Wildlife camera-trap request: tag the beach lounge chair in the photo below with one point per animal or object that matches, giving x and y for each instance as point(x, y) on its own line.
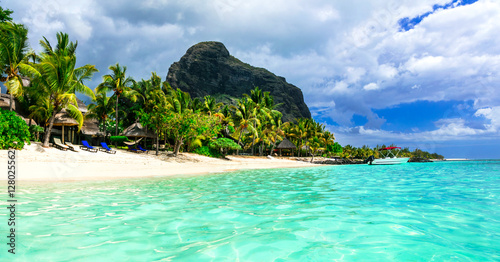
point(130, 148)
point(71, 146)
point(59, 145)
point(105, 148)
point(142, 149)
point(88, 147)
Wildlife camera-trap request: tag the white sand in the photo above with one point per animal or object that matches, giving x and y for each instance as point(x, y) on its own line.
point(35, 163)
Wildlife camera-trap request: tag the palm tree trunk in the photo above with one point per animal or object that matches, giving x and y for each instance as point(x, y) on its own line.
point(116, 119)
point(274, 144)
point(178, 144)
point(239, 139)
point(157, 141)
point(105, 130)
point(11, 106)
point(49, 130)
point(253, 139)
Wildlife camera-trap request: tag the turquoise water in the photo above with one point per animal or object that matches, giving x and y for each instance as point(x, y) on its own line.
point(411, 212)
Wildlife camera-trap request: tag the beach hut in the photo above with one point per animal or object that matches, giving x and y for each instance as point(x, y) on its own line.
point(286, 144)
point(63, 120)
point(91, 128)
point(137, 130)
point(5, 102)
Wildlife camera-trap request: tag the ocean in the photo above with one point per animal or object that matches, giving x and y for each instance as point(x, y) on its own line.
point(442, 211)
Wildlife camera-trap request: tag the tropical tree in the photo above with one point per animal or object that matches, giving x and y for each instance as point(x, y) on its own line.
point(210, 106)
point(314, 146)
point(224, 144)
point(14, 58)
point(5, 15)
point(277, 129)
point(120, 84)
point(101, 110)
point(58, 79)
point(156, 107)
point(245, 117)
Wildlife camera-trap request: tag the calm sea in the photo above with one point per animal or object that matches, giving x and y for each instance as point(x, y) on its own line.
point(444, 211)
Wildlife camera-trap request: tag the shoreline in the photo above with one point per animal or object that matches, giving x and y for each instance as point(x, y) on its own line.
point(37, 164)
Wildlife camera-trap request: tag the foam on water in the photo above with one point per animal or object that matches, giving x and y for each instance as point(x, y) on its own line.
point(410, 212)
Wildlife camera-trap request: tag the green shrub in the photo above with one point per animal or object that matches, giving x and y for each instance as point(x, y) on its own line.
point(35, 132)
point(118, 139)
point(13, 131)
point(224, 144)
point(207, 151)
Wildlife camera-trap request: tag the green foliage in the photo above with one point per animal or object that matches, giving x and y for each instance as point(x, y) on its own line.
point(335, 148)
point(224, 144)
point(13, 131)
point(118, 139)
point(365, 151)
point(207, 151)
point(5, 15)
point(35, 131)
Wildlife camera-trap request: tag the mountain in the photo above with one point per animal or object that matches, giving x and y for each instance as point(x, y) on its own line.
point(207, 68)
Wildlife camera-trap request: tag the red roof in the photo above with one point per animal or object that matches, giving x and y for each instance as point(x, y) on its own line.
point(389, 148)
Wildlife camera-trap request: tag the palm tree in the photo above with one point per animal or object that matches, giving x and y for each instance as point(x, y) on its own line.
point(277, 127)
point(179, 100)
point(120, 84)
point(14, 57)
point(245, 117)
point(101, 110)
point(210, 106)
point(58, 79)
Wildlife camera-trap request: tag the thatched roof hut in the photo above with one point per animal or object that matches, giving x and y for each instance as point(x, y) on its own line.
point(63, 119)
point(286, 144)
point(137, 130)
point(27, 120)
point(5, 101)
point(91, 128)
point(81, 106)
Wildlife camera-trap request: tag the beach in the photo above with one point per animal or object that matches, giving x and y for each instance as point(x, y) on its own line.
point(35, 163)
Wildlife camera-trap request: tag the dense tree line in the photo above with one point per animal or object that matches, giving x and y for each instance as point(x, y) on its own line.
point(365, 151)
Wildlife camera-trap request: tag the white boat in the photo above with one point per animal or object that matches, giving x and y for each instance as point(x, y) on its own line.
point(390, 155)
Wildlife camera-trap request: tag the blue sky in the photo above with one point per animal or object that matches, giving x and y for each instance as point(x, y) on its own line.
point(413, 73)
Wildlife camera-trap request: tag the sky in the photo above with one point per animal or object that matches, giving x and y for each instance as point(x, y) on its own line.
point(419, 74)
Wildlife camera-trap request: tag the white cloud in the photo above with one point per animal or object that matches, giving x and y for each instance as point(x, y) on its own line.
point(371, 86)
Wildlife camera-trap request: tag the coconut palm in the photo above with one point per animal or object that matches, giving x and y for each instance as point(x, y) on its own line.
point(58, 79)
point(245, 117)
point(101, 110)
point(210, 106)
point(120, 84)
point(14, 58)
point(277, 129)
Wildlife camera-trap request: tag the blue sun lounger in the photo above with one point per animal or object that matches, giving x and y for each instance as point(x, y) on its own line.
point(105, 148)
point(142, 149)
point(88, 147)
point(130, 148)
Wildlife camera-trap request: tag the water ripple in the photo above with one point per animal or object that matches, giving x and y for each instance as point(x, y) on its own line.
point(412, 212)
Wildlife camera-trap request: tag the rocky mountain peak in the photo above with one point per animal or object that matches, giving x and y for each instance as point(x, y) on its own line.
point(207, 68)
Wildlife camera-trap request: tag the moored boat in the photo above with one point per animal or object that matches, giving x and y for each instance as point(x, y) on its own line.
point(390, 155)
